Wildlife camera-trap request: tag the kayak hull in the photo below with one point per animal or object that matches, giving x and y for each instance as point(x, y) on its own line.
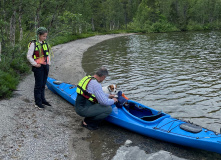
point(149, 122)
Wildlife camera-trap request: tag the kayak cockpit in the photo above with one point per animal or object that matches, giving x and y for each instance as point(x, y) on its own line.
point(142, 112)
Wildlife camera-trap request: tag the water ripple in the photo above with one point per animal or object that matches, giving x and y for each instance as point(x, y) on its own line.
point(175, 72)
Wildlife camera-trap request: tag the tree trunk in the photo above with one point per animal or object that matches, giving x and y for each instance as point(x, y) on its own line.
point(76, 28)
point(12, 29)
point(113, 25)
point(52, 20)
point(20, 24)
point(80, 29)
point(0, 51)
point(110, 26)
point(37, 19)
point(92, 24)
point(125, 13)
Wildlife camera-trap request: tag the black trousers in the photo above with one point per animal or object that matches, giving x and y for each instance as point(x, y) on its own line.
point(41, 75)
point(93, 113)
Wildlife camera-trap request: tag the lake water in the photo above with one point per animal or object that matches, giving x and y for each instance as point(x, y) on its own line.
point(178, 73)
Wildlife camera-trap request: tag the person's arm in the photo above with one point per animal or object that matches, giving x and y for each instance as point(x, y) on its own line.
point(30, 53)
point(106, 94)
point(101, 97)
point(49, 59)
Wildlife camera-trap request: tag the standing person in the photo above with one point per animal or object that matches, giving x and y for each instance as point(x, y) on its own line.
point(39, 57)
point(91, 102)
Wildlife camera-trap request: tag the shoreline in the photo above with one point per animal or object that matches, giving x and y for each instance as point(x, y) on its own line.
point(53, 133)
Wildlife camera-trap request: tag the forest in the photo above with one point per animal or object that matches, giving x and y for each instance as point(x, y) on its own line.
point(67, 20)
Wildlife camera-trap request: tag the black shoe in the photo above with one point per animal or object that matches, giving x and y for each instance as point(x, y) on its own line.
point(46, 103)
point(39, 106)
point(89, 127)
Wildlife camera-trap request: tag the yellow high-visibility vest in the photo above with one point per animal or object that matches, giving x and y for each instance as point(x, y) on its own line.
point(82, 89)
point(40, 50)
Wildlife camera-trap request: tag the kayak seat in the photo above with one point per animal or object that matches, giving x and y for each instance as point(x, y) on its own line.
point(58, 82)
point(138, 111)
point(191, 127)
point(152, 117)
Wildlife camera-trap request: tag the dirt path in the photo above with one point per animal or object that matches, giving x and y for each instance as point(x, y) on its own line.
point(53, 133)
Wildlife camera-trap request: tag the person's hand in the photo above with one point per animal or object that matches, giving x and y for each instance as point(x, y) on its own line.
point(38, 65)
point(111, 95)
point(115, 100)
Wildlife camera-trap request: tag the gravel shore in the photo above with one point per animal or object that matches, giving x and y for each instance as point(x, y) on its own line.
point(54, 133)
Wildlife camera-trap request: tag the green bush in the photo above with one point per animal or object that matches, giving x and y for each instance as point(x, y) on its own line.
point(20, 65)
point(8, 83)
point(148, 27)
point(4, 65)
point(162, 26)
point(194, 26)
point(12, 66)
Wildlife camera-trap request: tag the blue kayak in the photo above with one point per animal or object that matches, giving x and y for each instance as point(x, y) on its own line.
point(149, 122)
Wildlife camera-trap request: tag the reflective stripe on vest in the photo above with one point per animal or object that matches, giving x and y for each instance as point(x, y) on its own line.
point(44, 49)
point(82, 87)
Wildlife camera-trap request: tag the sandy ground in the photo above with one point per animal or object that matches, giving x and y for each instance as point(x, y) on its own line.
point(54, 133)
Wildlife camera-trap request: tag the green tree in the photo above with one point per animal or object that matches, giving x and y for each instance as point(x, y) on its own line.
point(113, 14)
point(179, 13)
